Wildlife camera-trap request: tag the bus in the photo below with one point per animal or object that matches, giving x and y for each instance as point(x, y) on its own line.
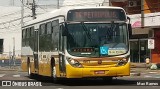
point(77, 42)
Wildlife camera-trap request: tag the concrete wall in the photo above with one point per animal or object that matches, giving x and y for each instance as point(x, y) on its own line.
point(8, 44)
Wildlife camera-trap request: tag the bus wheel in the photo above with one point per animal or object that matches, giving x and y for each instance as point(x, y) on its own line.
point(54, 77)
point(29, 69)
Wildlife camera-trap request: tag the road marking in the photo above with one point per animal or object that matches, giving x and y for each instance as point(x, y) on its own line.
point(157, 77)
point(1, 75)
point(152, 72)
point(147, 76)
point(144, 73)
point(59, 88)
point(16, 75)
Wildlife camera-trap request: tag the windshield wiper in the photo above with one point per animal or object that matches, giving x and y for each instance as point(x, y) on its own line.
point(86, 31)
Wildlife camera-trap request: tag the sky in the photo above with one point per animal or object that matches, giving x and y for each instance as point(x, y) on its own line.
point(51, 2)
point(83, 2)
point(18, 2)
point(12, 29)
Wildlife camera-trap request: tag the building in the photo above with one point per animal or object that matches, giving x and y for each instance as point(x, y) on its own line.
point(10, 22)
point(10, 28)
point(145, 20)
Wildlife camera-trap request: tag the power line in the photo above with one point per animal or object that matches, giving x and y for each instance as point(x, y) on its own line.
point(9, 14)
point(25, 5)
point(42, 8)
point(13, 20)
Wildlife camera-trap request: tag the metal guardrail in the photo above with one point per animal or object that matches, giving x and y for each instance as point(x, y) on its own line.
point(10, 62)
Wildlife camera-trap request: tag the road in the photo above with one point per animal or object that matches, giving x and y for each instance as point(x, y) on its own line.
point(130, 82)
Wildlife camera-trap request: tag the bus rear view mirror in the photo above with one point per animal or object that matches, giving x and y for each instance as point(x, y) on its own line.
point(64, 30)
point(130, 30)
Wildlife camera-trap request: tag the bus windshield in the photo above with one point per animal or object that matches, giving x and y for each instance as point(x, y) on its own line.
point(97, 39)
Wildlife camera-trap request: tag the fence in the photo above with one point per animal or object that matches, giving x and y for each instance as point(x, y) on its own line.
point(10, 62)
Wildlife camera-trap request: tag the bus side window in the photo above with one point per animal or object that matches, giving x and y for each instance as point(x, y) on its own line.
point(23, 37)
point(42, 29)
point(23, 33)
point(32, 31)
point(49, 27)
point(27, 33)
point(55, 34)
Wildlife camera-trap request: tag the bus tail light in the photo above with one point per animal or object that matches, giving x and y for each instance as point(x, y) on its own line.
point(74, 62)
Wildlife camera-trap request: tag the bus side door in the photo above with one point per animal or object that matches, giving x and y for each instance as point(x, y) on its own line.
point(62, 66)
point(35, 53)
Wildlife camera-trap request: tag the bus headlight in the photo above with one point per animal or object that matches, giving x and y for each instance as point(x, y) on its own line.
point(74, 62)
point(123, 61)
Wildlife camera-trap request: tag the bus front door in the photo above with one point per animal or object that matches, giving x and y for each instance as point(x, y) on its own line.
point(36, 50)
point(62, 66)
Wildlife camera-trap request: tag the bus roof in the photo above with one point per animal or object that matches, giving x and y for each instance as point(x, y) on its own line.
point(63, 12)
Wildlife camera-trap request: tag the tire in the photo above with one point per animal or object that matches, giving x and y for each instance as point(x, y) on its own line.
point(53, 71)
point(29, 71)
point(30, 75)
point(53, 75)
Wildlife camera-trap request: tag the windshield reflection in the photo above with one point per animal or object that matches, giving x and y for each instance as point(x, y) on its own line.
point(111, 37)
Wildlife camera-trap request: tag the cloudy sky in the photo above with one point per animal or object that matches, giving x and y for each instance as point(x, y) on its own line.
point(18, 2)
point(51, 2)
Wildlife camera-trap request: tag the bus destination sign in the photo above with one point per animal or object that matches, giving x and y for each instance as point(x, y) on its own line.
point(96, 15)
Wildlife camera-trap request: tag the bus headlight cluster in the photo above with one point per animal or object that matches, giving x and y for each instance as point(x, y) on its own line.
point(123, 61)
point(73, 62)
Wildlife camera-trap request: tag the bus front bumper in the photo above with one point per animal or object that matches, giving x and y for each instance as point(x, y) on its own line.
point(72, 72)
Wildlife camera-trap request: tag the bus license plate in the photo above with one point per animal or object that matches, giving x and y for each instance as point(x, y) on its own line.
point(99, 72)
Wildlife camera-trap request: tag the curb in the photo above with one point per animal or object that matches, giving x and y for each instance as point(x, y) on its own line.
point(135, 74)
point(137, 66)
point(8, 69)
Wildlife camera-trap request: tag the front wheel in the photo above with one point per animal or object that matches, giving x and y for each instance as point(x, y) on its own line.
point(53, 75)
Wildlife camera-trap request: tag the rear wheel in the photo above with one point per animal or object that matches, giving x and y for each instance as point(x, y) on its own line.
point(53, 71)
point(29, 69)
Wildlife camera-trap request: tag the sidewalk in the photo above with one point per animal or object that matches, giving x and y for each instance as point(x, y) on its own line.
point(138, 65)
point(137, 69)
point(7, 68)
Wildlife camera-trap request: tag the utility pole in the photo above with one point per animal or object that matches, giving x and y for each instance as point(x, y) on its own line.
point(10, 57)
point(142, 13)
point(12, 2)
point(14, 51)
point(57, 4)
point(33, 10)
point(22, 14)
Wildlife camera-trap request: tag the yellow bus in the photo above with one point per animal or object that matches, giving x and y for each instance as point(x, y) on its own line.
point(78, 42)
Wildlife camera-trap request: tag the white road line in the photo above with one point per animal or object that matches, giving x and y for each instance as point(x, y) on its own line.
point(59, 88)
point(148, 76)
point(152, 72)
point(1, 75)
point(157, 77)
point(17, 75)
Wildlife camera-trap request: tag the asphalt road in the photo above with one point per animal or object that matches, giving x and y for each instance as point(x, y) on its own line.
point(117, 83)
